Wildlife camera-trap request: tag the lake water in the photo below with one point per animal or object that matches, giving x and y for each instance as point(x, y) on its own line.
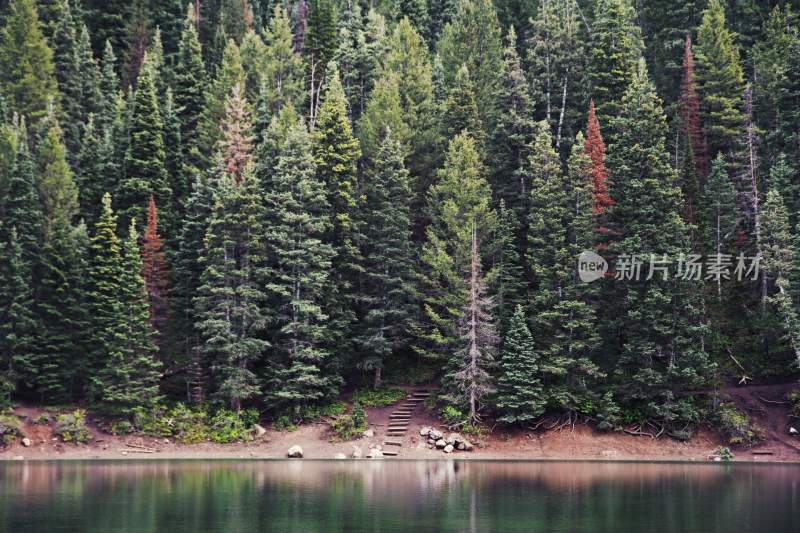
point(382, 496)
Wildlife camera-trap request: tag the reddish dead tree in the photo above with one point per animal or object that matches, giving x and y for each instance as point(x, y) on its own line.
point(690, 114)
point(595, 148)
point(236, 144)
point(155, 272)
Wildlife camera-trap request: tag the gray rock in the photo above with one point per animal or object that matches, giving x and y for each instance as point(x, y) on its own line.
point(375, 453)
point(424, 432)
point(260, 431)
point(295, 451)
point(448, 448)
point(441, 443)
point(793, 431)
point(454, 438)
point(356, 453)
point(370, 433)
point(340, 456)
point(435, 434)
point(26, 442)
point(465, 446)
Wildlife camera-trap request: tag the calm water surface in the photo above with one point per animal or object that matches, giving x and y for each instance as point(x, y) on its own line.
point(382, 496)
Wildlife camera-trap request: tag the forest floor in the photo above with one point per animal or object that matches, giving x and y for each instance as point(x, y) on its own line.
point(764, 404)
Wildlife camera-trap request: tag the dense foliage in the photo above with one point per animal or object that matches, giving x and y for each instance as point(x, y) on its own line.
point(335, 193)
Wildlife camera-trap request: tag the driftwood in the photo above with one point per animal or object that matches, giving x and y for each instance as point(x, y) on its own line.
point(776, 402)
point(136, 450)
point(145, 449)
point(763, 452)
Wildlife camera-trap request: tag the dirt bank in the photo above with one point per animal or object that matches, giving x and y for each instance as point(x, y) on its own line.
point(762, 403)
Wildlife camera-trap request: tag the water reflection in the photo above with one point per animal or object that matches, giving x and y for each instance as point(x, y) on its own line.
point(476, 496)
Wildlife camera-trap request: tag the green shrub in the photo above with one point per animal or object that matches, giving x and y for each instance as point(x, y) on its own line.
point(349, 425)
point(736, 427)
point(452, 416)
point(9, 429)
point(42, 419)
point(188, 425)
point(379, 397)
point(312, 413)
point(283, 423)
point(121, 427)
point(794, 403)
point(71, 427)
point(227, 426)
point(153, 421)
point(724, 453)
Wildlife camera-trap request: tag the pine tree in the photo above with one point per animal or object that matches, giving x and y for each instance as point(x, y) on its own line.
point(557, 66)
point(690, 113)
point(57, 191)
point(27, 80)
point(719, 220)
point(779, 260)
point(384, 112)
point(137, 41)
point(88, 74)
point(17, 325)
point(284, 69)
point(595, 149)
point(336, 153)
point(231, 299)
point(145, 170)
point(513, 133)
point(21, 208)
point(469, 379)
point(390, 299)
point(187, 279)
point(229, 74)
point(319, 47)
point(107, 20)
point(60, 309)
point(189, 86)
point(510, 280)
point(65, 61)
point(458, 204)
point(520, 394)
point(720, 81)
point(174, 160)
point(253, 52)
point(409, 59)
point(298, 220)
point(473, 39)
point(461, 111)
point(109, 89)
point(155, 272)
point(658, 319)
point(615, 47)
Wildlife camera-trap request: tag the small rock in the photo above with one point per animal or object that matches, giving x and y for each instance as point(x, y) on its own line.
point(448, 448)
point(26, 442)
point(340, 456)
point(166, 441)
point(793, 431)
point(718, 458)
point(124, 452)
point(441, 443)
point(435, 434)
point(260, 431)
point(370, 433)
point(375, 453)
point(430, 446)
point(609, 453)
point(356, 453)
point(454, 438)
point(424, 432)
point(18, 458)
point(465, 446)
point(295, 451)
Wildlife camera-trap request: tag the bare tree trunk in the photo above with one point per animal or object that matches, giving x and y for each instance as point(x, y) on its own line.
point(754, 200)
point(563, 109)
point(473, 328)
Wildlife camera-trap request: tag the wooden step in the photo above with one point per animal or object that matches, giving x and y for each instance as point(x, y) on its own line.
point(403, 423)
point(392, 443)
point(400, 416)
point(389, 453)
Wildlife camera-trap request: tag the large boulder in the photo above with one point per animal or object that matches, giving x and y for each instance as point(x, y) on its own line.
point(340, 456)
point(465, 446)
point(295, 451)
point(441, 443)
point(424, 432)
point(356, 452)
point(435, 434)
point(448, 448)
point(375, 453)
point(454, 438)
point(370, 433)
point(259, 430)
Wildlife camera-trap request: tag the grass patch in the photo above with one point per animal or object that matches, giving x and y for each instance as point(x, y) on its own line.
point(9, 429)
point(379, 397)
point(349, 425)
